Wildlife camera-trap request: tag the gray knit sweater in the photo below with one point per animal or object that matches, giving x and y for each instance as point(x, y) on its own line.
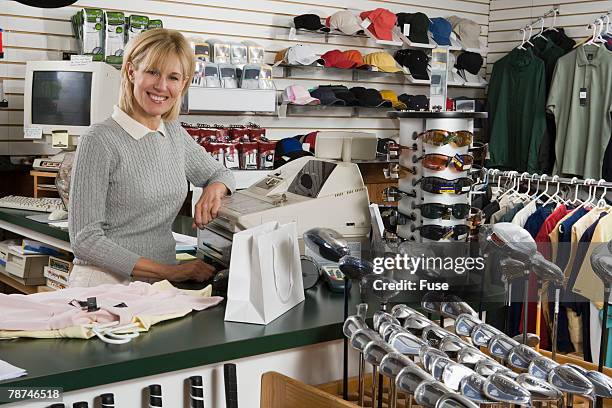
point(126, 193)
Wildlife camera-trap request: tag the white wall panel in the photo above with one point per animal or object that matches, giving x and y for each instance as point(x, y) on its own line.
point(507, 16)
point(43, 34)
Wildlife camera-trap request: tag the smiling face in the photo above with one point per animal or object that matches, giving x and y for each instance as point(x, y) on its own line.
point(156, 90)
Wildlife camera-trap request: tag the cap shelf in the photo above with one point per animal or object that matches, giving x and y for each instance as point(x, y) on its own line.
point(437, 115)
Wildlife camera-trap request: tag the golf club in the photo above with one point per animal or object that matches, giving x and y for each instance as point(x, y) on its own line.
point(390, 366)
point(359, 340)
point(501, 388)
point(453, 400)
point(373, 353)
point(465, 324)
point(570, 381)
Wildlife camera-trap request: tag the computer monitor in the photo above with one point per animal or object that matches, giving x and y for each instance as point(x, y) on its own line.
point(65, 96)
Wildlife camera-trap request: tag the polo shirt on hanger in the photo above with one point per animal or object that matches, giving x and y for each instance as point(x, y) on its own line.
point(581, 100)
point(577, 231)
point(521, 217)
point(516, 100)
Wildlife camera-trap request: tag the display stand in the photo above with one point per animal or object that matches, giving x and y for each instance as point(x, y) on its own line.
point(411, 124)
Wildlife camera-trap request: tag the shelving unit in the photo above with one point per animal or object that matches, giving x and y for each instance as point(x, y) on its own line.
point(201, 100)
point(44, 186)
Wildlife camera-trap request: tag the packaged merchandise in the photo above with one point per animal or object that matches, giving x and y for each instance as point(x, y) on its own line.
point(231, 156)
point(238, 54)
point(266, 148)
point(248, 155)
point(92, 30)
point(135, 25)
point(220, 51)
point(229, 78)
point(155, 24)
point(255, 52)
point(114, 40)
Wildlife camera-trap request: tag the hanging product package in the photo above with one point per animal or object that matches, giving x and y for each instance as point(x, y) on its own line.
point(136, 25)
point(155, 24)
point(92, 30)
point(114, 41)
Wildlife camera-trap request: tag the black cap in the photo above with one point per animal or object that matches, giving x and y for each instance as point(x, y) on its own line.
point(370, 97)
point(80, 404)
point(415, 60)
point(470, 61)
point(47, 3)
point(195, 380)
point(326, 96)
point(58, 405)
point(415, 102)
point(342, 92)
point(309, 22)
point(419, 24)
point(107, 399)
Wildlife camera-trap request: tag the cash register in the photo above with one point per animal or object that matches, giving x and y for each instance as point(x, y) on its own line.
point(312, 192)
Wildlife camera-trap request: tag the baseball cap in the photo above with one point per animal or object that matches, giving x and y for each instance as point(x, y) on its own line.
point(415, 102)
point(326, 96)
point(342, 92)
point(470, 61)
point(337, 59)
point(383, 22)
point(369, 97)
point(441, 30)
point(419, 24)
point(298, 95)
point(309, 22)
point(299, 54)
point(453, 77)
point(344, 21)
point(392, 97)
point(357, 57)
point(288, 149)
point(467, 30)
point(382, 60)
point(415, 60)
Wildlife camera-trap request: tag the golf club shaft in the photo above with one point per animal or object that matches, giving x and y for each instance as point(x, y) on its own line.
point(374, 383)
point(525, 307)
point(381, 386)
point(538, 317)
point(507, 307)
point(361, 375)
point(555, 329)
point(392, 394)
point(603, 346)
point(345, 366)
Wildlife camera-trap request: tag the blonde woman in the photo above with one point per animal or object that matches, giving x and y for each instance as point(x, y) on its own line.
point(131, 172)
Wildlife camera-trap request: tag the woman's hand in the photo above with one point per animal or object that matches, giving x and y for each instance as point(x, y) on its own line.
point(208, 205)
point(193, 270)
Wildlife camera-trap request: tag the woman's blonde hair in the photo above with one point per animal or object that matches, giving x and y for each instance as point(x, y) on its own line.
point(150, 50)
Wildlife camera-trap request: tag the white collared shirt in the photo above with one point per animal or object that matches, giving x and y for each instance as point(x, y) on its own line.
point(134, 128)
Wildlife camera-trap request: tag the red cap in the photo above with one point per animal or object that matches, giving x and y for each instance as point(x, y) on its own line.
point(337, 59)
point(383, 22)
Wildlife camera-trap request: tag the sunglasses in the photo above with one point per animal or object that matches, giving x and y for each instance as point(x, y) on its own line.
point(438, 185)
point(438, 137)
point(437, 232)
point(439, 162)
point(435, 211)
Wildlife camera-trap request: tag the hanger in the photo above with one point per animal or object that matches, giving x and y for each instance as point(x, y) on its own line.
point(588, 182)
point(527, 194)
point(596, 36)
point(542, 178)
point(556, 193)
point(552, 27)
point(510, 191)
point(530, 34)
point(593, 203)
point(575, 200)
point(539, 35)
point(602, 204)
point(537, 189)
point(521, 47)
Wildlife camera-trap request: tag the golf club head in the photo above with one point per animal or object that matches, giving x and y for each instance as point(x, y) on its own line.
point(470, 356)
point(401, 312)
point(465, 324)
point(428, 354)
point(511, 269)
point(487, 367)
point(501, 388)
point(434, 334)
point(326, 243)
point(355, 268)
point(410, 377)
point(388, 287)
point(416, 323)
point(375, 350)
point(513, 241)
point(428, 393)
point(455, 309)
point(547, 271)
point(390, 330)
point(601, 262)
point(438, 365)
point(352, 324)
point(483, 333)
point(362, 337)
point(453, 374)
point(362, 310)
point(521, 355)
point(532, 339)
point(501, 345)
point(569, 380)
point(541, 367)
point(393, 363)
point(406, 343)
point(452, 345)
point(602, 384)
point(540, 389)
point(380, 317)
point(431, 301)
point(472, 387)
point(578, 368)
point(455, 401)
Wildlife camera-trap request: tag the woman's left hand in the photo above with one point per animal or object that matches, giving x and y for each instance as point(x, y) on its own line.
point(208, 205)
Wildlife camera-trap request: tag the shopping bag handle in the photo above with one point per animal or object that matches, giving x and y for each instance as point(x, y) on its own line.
point(283, 299)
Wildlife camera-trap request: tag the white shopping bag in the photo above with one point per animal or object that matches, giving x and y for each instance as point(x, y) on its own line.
point(265, 277)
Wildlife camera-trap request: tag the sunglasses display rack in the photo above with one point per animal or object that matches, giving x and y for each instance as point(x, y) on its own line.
point(434, 180)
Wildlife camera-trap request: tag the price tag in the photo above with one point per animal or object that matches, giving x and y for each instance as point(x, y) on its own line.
point(366, 23)
point(32, 133)
point(465, 189)
point(76, 60)
point(458, 162)
point(461, 237)
point(584, 96)
point(449, 234)
point(406, 30)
